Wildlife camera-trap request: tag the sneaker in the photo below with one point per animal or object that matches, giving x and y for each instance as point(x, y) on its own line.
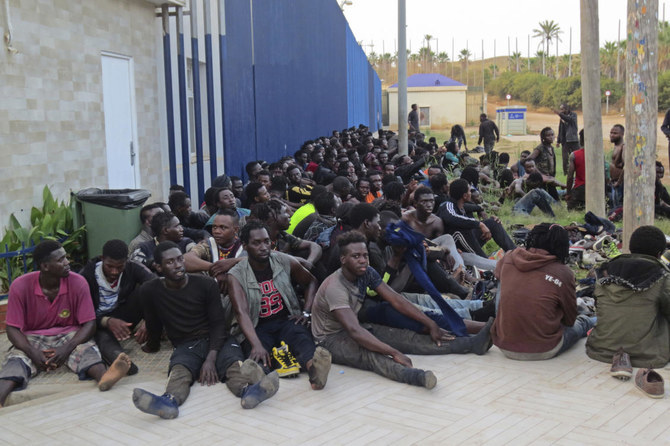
point(610, 249)
point(599, 244)
point(665, 258)
point(288, 366)
point(650, 383)
point(621, 366)
point(163, 406)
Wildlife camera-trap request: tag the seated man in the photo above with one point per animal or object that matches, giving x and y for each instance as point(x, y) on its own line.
point(470, 234)
point(268, 311)
point(180, 205)
point(189, 308)
point(538, 320)
point(50, 322)
point(146, 216)
point(166, 227)
point(529, 193)
point(633, 304)
point(113, 283)
point(374, 347)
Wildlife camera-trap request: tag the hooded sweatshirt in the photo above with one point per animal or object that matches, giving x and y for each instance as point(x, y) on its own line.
point(633, 309)
point(537, 298)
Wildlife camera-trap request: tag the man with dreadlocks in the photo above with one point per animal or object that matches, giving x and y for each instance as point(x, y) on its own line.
point(539, 320)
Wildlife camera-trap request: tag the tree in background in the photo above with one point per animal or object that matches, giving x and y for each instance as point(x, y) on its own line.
point(548, 31)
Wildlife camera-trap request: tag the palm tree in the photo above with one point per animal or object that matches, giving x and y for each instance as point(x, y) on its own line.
point(464, 57)
point(547, 31)
point(516, 56)
point(608, 56)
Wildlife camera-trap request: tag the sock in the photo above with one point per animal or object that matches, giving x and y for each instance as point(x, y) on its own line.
point(255, 394)
point(163, 406)
point(115, 372)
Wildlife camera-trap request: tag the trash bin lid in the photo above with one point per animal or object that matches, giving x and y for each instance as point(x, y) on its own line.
point(114, 198)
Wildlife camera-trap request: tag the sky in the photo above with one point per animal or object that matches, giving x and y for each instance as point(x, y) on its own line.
point(471, 21)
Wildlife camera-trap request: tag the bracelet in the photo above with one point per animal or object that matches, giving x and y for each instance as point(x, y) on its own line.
point(104, 322)
point(307, 314)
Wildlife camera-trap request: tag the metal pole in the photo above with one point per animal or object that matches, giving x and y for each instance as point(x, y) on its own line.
point(618, 52)
point(607, 104)
point(183, 104)
point(483, 110)
point(222, 61)
point(570, 56)
point(195, 72)
point(591, 103)
point(495, 65)
point(641, 115)
point(452, 57)
point(209, 67)
point(528, 52)
point(402, 79)
point(167, 68)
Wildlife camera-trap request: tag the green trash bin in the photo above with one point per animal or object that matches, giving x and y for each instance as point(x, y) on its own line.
point(110, 214)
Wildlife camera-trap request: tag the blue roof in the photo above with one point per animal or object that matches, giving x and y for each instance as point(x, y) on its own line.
point(430, 80)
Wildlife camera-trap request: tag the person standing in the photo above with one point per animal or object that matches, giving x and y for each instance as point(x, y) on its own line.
point(665, 128)
point(568, 137)
point(413, 119)
point(488, 132)
point(616, 167)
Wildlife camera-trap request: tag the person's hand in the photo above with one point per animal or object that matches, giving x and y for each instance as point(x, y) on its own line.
point(413, 185)
point(38, 358)
point(260, 355)
point(119, 328)
point(401, 359)
point(56, 357)
point(438, 335)
point(141, 334)
point(300, 319)
point(217, 269)
point(208, 375)
point(305, 263)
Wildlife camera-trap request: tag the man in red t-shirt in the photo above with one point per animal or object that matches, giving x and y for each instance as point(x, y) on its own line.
point(576, 181)
point(50, 322)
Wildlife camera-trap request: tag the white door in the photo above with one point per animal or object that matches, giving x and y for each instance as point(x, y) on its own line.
point(120, 130)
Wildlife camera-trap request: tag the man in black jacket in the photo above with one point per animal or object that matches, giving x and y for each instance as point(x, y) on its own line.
point(568, 136)
point(114, 282)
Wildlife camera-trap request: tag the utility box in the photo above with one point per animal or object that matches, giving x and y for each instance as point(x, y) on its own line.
point(511, 119)
point(110, 214)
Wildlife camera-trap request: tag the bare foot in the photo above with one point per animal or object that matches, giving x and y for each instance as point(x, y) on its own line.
point(115, 372)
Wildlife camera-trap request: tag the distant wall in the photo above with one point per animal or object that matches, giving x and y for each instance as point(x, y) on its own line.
point(447, 105)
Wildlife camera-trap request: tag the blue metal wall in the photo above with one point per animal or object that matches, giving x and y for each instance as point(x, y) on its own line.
point(291, 70)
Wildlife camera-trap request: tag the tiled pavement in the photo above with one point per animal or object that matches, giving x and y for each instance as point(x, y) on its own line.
point(478, 400)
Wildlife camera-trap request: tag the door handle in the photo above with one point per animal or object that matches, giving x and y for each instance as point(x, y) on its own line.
point(132, 154)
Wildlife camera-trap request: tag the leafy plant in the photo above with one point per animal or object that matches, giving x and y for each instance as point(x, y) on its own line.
point(53, 221)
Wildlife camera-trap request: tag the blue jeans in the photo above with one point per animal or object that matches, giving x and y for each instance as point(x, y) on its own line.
point(573, 334)
point(536, 197)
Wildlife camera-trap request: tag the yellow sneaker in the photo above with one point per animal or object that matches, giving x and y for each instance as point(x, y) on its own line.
point(288, 366)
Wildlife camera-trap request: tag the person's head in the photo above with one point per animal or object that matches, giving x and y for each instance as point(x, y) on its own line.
point(342, 187)
point(221, 181)
point(180, 204)
point(114, 256)
point(166, 226)
point(564, 108)
point(147, 214)
point(471, 175)
point(434, 170)
point(169, 262)
point(524, 154)
point(226, 199)
point(51, 259)
point(264, 177)
point(176, 188)
point(547, 136)
point(253, 168)
point(225, 227)
point(414, 106)
point(660, 170)
point(237, 186)
point(294, 174)
point(452, 147)
point(459, 190)
point(363, 187)
point(325, 203)
point(317, 156)
point(211, 196)
point(256, 193)
point(364, 217)
point(274, 214)
point(581, 138)
point(389, 169)
point(375, 181)
point(647, 240)
point(383, 157)
point(482, 117)
point(553, 238)
point(424, 200)
point(529, 166)
point(439, 183)
point(503, 159)
point(393, 191)
point(534, 180)
point(353, 253)
point(256, 241)
point(616, 134)
point(506, 178)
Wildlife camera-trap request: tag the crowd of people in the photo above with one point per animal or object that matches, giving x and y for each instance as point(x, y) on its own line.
point(348, 252)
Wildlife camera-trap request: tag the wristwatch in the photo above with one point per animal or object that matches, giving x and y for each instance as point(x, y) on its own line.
point(307, 314)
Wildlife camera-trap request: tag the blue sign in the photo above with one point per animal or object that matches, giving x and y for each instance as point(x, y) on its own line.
point(515, 115)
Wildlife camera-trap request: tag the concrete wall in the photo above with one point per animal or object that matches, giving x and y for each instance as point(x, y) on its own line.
point(51, 116)
point(447, 105)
